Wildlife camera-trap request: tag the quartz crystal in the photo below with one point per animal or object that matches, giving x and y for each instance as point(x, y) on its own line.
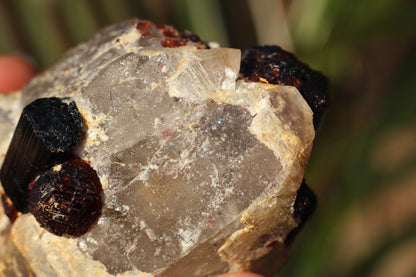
point(200, 168)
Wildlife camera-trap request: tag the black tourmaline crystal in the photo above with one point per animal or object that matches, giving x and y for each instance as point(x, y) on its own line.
point(276, 66)
point(305, 204)
point(46, 134)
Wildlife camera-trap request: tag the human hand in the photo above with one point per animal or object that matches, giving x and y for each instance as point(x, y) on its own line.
point(15, 72)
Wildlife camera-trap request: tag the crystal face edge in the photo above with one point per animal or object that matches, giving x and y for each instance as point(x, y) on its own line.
point(274, 65)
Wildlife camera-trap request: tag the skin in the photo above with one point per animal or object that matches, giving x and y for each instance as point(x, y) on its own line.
point(15, 72)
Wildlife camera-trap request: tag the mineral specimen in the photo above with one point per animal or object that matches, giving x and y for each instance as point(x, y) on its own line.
point(200, 166)
point(66, 200)
point(273, 65)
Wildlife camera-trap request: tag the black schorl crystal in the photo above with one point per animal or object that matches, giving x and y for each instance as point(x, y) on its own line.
point(305, 204)
point(276, 66)
point(46, 134)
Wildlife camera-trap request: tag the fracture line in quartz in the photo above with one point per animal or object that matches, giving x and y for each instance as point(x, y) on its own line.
point(157, 160)
point(221, 192)
point(189, 236)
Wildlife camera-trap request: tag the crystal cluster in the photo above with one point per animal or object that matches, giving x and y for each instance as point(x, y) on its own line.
point(200, 166)
point(45, 135)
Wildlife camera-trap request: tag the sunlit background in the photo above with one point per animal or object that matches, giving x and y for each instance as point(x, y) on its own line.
point(363, 165)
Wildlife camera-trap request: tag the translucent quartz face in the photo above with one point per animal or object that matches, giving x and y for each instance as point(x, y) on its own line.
point(180, 167)
point(181, 146)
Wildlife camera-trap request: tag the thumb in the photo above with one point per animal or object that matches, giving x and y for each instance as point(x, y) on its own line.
point(15, 72)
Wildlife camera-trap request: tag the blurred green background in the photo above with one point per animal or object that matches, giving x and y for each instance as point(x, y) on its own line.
point(363, 165)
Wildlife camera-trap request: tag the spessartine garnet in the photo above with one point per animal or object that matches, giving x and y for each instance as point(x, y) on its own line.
point(67, 199)
point(274, 65)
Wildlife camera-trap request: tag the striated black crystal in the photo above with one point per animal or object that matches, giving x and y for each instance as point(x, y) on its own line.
point(305, 204)
point(46, 134)
point(276, 66)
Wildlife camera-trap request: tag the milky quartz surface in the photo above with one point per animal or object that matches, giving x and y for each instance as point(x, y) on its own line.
point(188, 154)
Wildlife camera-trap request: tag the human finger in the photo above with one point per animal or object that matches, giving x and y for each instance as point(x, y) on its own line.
point(15, 72)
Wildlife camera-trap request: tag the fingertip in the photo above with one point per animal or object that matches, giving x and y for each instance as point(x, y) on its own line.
point(15, 72)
